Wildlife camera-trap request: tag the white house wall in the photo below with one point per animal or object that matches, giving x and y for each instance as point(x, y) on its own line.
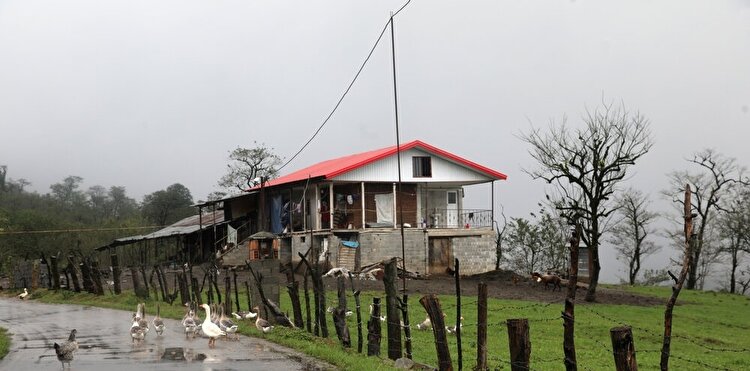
point(385, 170)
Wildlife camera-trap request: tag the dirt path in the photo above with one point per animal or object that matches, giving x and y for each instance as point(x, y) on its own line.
point(104, 343)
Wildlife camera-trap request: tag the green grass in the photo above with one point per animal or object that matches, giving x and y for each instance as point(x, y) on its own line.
point(4, 342)
point(710, 330)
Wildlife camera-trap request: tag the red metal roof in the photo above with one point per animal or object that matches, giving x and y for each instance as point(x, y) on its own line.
point(335, 167)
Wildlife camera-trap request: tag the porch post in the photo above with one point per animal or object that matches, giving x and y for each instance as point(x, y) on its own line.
point(363, 204)
point(316, 223)
point(492, 215)
point(330, 205)
point(395, 216)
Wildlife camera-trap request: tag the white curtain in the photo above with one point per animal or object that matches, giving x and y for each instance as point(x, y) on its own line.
point(384, 207)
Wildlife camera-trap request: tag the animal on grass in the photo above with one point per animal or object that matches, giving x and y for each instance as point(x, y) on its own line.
point(65, 351)
point(261, 324)
point(24, 295)
point(547, 279)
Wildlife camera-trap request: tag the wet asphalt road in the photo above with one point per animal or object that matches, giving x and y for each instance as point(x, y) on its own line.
point(105, 344)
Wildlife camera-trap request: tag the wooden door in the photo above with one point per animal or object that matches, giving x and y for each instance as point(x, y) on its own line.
point(440, 255)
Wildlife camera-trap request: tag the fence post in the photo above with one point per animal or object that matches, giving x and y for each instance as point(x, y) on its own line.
point(373, 329)
point(308, 315)
point(569, 346)
point(292, 287)
point(342, 331)
point(519, 343)
point(623, 348)
point(392, 312)
point(482, 326)
point(116, 273)
point(404, 304)
point(359, 314)
point(431, 304)
point(458, 313)
point(73, 274)
point(55, 272)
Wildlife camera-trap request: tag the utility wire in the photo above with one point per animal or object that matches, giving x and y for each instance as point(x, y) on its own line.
point(3, 233)
point(341, 99)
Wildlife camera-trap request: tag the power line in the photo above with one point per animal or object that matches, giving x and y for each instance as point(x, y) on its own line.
point(3, 233)
point(341, 99)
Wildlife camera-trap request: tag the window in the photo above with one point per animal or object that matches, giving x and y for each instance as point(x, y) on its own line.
point(422, 166)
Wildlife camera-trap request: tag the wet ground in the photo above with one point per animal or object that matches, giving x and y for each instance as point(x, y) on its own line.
point(105, 344)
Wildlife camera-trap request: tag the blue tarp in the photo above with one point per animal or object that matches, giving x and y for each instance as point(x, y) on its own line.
point(276, 226)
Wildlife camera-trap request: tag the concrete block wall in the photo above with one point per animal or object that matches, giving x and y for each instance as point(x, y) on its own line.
point(381, 245)
point(476, 254)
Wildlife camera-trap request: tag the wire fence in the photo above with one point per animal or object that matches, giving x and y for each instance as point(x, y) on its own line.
point(593, 350)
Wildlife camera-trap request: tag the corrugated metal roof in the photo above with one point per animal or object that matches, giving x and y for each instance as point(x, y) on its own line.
point(332, 168)
point(185, 226)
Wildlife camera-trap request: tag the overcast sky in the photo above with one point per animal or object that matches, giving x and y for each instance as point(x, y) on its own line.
point(144, 94)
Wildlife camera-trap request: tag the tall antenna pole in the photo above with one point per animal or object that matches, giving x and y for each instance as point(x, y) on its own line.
point(398, 156)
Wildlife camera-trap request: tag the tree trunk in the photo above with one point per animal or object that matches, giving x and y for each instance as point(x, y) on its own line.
point(569, 346)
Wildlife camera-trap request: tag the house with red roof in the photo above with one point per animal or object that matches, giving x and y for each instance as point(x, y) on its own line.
point(353, 208)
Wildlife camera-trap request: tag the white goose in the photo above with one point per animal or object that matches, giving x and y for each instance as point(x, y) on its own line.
point(158, 322)
point(244, 315)
point(24, 295)
point(261, 324)
point(209, 328)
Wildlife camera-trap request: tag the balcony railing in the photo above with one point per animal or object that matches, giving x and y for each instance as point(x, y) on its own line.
point(452, 218)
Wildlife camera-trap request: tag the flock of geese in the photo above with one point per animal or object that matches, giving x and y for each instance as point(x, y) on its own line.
point(215, 325)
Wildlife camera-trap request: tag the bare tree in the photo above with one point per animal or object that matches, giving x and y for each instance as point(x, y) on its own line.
point(631, 230)
point(500, 238)
point(711, 183)
point(249, 166)
point(734, 230)
point(586, 164)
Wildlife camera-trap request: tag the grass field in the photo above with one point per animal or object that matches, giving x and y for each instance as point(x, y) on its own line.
point(4, 342)
point(710, 330)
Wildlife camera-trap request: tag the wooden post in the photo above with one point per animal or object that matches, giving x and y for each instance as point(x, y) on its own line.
point(359, 314)
point(689, 239)
point(88, 283)
point(308, 315)
point(96, 277)
point(431, 304)
point(184, 292)
point(341, 292)
point(55, 272)
point(292, 288)
point(482, 326)
point(116, 273)
point(137, 287)
point(142, 269)
point(392, 313)
point(197, 297)
point(247, 291)
point(236, 293)
point(160, 281)
point(227, 292)
point(404, 305)
point(458, 313)
point(73, 274)
point(213, 279)
point(623, 348)
point(373, 329)
point(342, 331)
point(519, 344)
point(569, 346)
